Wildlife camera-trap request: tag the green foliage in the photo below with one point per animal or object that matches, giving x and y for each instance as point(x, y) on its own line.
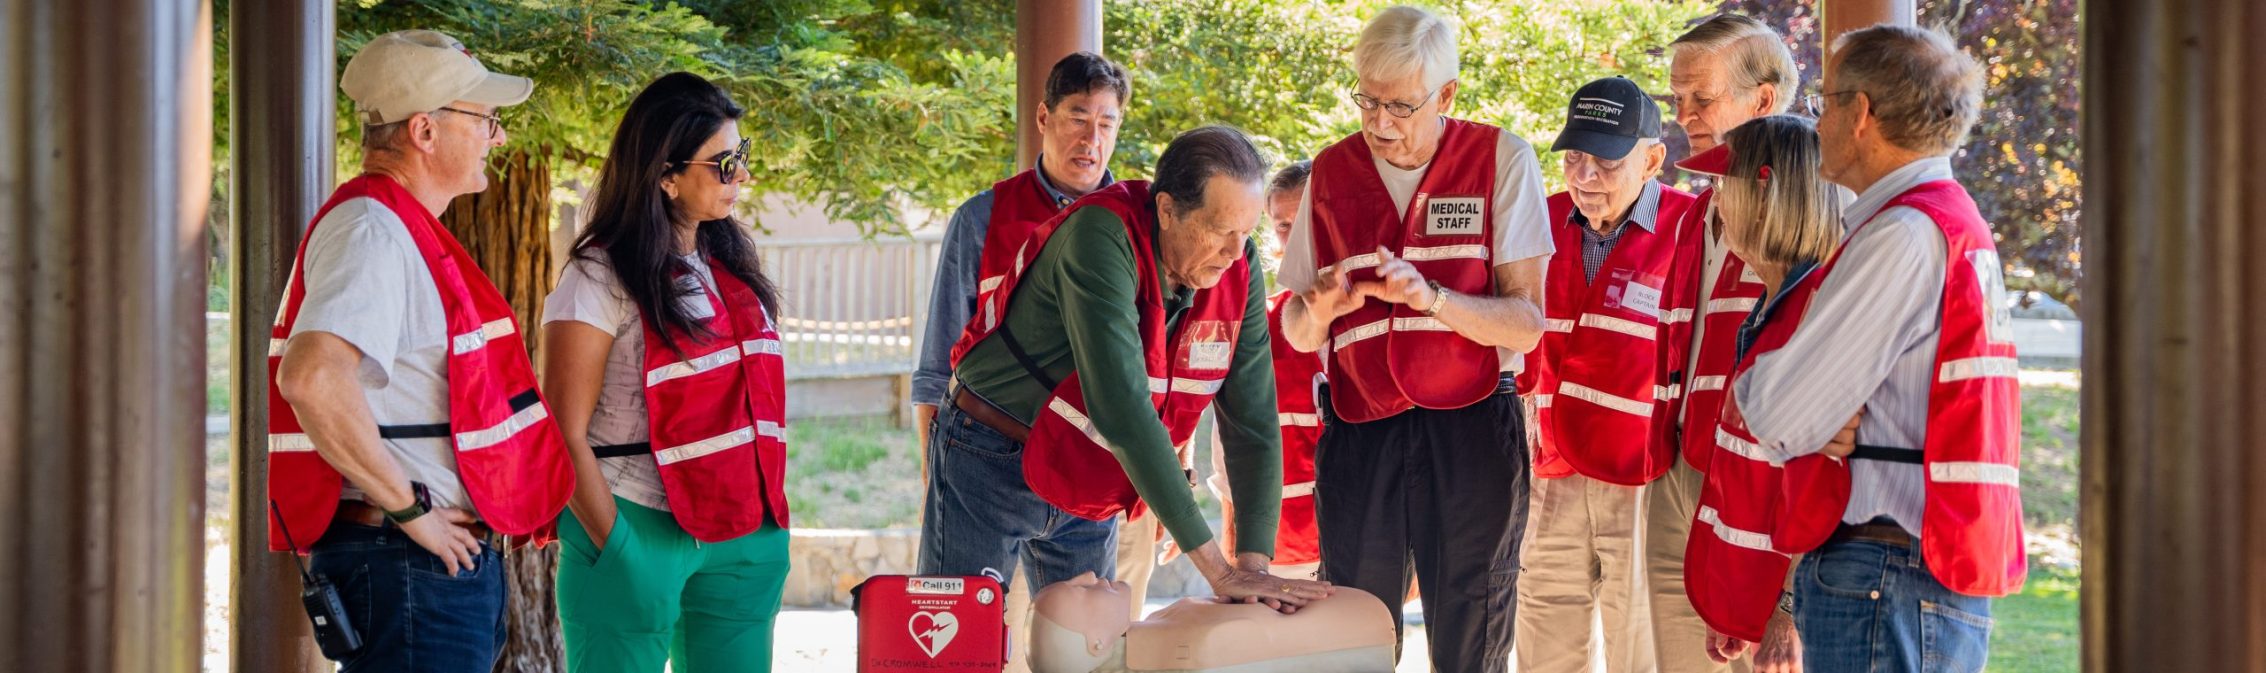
point(2024, 154)
point(2023, 161)
point(1524, 60)
point(868, 106)
point(833, 126)
point(1281, 70)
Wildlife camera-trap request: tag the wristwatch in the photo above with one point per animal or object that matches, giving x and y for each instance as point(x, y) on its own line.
point(1439, 298)
point(420, 507)
point(1786, 602)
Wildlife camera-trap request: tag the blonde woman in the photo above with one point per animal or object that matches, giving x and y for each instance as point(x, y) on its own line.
point(1779, 215)
point(1783, 220)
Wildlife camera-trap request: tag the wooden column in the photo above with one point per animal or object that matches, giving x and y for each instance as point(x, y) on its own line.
point(1841, 16)
point(282, 101)
point(1046, 31)
point(105, 174)
point(2174, 415)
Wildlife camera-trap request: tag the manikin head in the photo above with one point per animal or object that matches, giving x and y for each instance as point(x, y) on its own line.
point(1079, 624)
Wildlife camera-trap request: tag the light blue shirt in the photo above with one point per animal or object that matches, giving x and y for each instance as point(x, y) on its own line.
point(1868, 340)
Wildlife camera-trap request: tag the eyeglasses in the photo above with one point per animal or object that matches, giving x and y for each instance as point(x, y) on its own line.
point(1399, 109)
point(729, 166)
point(1815, 102)
point(495, 122)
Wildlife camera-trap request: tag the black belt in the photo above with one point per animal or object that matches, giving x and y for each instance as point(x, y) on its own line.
point(1881, 529)
point(623, 450)
point(441, 430)
point(1888, 454)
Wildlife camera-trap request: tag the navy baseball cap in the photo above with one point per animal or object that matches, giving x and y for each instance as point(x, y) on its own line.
point(1607, 118)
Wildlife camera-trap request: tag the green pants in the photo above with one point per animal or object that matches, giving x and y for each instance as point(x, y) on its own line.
point(656, 595)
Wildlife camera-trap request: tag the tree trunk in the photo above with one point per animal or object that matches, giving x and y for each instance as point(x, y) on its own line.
point(508, 230)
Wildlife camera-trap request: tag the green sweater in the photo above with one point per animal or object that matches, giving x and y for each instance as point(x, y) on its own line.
point(1074, 311)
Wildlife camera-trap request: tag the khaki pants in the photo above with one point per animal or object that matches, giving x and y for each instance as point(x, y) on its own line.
point(1136, 563)
point(1679, 637)
point(1576, 571)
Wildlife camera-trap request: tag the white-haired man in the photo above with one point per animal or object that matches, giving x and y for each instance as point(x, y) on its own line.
point(1724, 72)
point(1417, 255)
point(1592, 384)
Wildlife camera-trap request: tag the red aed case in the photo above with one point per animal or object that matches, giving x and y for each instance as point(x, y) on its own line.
point(908, 623)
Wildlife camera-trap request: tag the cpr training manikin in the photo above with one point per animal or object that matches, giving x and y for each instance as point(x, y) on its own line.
point(1083, 626)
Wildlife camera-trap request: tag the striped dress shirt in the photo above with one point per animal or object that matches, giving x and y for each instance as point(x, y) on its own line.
point(1869, 341)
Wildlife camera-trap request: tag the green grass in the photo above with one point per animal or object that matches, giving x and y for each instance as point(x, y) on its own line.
point(2049, 456)
point(2037, 629)
point(852, 473)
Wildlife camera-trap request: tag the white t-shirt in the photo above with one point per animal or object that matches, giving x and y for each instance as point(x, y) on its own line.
point(367, 284)
point(1522, 217)
point(590, 293)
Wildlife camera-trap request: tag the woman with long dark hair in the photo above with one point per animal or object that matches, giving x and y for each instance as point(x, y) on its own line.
point(663, 368)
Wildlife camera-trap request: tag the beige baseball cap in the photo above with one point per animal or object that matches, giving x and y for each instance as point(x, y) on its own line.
point(405, 72)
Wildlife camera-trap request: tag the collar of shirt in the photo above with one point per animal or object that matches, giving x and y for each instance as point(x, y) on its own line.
point(1062, 199)
point(1752, 327)
point(1893, 185)
point(1645, 213)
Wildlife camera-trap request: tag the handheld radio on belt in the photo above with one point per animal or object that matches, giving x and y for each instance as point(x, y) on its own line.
point(333, 632)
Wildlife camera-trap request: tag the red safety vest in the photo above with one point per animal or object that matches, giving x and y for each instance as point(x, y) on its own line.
point(717, 416)
point(1387, 357)
point(1066, 461)
point(1018, 206)
point(1298, 538)
point(1753, 514)
point(509, 453)
point(1595, 378)
point(1694, 391)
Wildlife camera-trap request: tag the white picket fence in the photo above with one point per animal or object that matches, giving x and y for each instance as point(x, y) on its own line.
point(851, 308)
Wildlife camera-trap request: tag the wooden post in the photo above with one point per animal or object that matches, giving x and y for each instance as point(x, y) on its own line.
point(281, 103)
point(2174, 499)
point(105, 174)
point(1046, 31)
point(1841, 16)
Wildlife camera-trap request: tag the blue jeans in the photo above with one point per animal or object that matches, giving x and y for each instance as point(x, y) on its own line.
point(1862, 605)
point(412, 615)
point(981, 515)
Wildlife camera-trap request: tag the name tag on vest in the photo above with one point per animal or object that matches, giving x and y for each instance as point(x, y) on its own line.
point(1633, 292)
point(1454, 215)
point(1210, 355)
point(1641, 298)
